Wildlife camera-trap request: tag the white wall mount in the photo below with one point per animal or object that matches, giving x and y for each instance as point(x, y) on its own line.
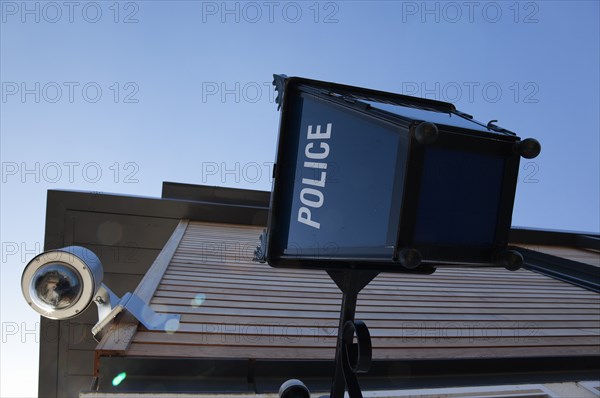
point(110, 305)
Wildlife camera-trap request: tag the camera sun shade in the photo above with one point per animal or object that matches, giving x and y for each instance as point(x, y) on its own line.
point(377, 181)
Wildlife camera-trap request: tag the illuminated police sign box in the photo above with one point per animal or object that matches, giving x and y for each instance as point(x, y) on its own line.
point(373, 180)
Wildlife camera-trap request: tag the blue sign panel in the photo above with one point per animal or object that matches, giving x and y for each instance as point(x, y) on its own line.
point(346, 166)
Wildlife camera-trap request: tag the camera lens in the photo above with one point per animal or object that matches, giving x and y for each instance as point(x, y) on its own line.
point(56, 286)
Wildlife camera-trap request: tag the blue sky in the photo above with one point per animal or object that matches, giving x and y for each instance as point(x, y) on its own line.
point(120, 96)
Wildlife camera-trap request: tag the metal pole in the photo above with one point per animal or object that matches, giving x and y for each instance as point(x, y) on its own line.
point(349, 297)
point(350, 283)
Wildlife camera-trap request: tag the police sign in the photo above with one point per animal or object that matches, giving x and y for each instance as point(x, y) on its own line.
point(371, 180)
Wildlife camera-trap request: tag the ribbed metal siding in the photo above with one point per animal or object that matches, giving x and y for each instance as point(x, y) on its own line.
point(234, 308)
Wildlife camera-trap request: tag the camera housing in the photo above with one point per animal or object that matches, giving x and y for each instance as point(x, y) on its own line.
point(60, 284)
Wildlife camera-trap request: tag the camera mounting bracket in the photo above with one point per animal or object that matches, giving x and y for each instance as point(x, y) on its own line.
point(110, 305)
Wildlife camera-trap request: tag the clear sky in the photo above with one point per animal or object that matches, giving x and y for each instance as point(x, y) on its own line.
point(120, 96)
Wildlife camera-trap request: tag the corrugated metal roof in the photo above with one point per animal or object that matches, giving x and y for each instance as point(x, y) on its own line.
point(232, 307)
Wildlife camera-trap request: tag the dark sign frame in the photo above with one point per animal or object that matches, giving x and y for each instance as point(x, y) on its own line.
point(407, 255)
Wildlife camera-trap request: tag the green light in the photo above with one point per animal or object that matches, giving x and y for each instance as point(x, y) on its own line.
point(119, 379)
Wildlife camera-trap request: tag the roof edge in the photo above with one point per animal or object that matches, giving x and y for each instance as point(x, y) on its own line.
point(215, 194)
point(580, 240)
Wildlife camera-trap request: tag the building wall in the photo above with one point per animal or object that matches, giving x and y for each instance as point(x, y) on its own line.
point(127, 233)
point(127, 245)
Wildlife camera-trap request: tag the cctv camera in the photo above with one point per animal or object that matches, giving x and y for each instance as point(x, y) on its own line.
point(60, 284)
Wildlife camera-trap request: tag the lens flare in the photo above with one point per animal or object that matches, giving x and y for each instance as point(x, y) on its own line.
point(198, 300)
point(119, 379)
point(172, 326)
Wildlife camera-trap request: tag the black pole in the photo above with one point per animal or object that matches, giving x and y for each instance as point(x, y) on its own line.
point(350, 283)
point(349, 297)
